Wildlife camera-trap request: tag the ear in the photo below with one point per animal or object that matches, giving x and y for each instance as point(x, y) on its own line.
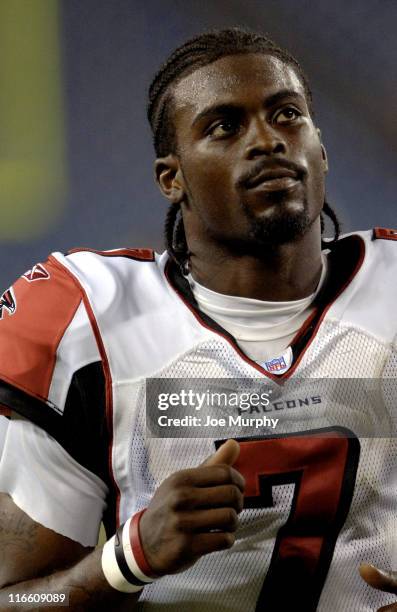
point(169, 178)
point(323, 151)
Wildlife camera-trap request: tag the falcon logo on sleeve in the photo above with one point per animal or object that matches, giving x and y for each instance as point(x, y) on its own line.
point(38, 272)
point(8, 303)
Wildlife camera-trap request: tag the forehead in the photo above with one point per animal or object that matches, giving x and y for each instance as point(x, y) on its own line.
point(233, 78)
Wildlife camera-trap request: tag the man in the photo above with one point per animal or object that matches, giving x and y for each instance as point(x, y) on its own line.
point(244, 292)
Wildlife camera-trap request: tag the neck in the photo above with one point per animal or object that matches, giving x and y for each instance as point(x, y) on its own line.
point(283, 273)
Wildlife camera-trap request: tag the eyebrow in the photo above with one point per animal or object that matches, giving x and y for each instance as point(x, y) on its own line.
point(224, 109)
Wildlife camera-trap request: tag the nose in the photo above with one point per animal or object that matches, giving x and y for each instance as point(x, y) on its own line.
point(263, 139)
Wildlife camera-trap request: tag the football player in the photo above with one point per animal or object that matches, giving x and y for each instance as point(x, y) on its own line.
point(246, 291)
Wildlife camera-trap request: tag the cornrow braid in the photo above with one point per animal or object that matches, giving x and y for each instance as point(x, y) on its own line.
point(331, 214)
point(175, 239)
point(196, 53)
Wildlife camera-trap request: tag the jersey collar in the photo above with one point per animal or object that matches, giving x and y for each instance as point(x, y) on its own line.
point(344, 261)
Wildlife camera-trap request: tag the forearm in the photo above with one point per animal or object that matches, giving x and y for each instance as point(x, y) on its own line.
point(85, 583)
point(194, 512)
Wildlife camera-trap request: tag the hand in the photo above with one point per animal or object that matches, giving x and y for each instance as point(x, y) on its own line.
point(193, 513)
point(379, 579)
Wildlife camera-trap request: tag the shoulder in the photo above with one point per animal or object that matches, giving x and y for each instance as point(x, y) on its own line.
point(88, 262)
point(377, 239)
point(49, 316)
point(46, 328)
point(369, 299)
point(117, 286)
point(108, 276)
point(45, 332)
point(379, 256)
point(52, 359)
point(376, 249)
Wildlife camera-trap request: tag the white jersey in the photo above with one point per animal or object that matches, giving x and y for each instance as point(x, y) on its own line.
point(89, 339)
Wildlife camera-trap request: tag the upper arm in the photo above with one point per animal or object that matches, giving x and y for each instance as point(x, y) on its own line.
point(49, 485)
point(51, 373)
point(29, 550)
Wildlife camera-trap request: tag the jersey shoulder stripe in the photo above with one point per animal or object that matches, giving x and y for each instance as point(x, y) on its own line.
point(384, 233)
point(29, 339)
point(142, 254)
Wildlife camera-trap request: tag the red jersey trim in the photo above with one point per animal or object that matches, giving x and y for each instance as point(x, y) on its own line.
point(384, 233)
point(136, 254)
point(29, 339)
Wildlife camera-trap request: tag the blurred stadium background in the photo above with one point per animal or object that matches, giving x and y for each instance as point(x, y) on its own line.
point(75, 148)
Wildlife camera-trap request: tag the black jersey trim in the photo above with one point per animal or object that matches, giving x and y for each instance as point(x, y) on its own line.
point(81, 428)
point(345, 260)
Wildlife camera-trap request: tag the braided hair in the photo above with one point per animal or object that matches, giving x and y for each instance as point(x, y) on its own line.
point(193, 54)
point(196, 53)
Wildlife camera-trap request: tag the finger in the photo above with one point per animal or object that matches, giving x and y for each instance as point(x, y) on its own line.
point(219, 497)
point(222, 519)
point(379, 579)
point(181, 499)
point(208, 476)
point(226, 453)
point(391, 608)
point(205, 543)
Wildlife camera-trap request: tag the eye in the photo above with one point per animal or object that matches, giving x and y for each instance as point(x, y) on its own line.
point(286, 115)
point(223, 129)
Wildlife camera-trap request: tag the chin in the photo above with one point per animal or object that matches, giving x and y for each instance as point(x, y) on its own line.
point(277, 233)
point(280, 224)
point(265, 234)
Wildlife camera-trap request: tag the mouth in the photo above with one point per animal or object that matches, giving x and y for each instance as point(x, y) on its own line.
point(277, 179)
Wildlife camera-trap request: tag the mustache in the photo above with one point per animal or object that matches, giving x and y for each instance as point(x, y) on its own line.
point(264, 165)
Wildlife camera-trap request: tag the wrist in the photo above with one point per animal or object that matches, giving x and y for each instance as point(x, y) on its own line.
point(123, 560)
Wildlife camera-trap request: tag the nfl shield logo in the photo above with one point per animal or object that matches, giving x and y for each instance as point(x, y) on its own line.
point(276, 365)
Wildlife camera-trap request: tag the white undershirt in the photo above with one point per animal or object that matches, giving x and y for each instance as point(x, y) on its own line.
point(262, 329)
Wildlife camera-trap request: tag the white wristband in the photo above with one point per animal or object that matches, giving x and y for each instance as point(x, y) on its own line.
point(112, 571)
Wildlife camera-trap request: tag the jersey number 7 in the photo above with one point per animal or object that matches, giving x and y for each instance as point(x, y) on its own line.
point(322, 464)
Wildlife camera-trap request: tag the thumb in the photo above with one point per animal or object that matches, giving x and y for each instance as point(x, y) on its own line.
point(379, 579)
point(227, 453)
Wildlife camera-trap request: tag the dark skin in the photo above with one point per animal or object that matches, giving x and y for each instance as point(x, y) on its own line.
point(176, 530)
point(195, 511)
point(253, 124)
point(243, 113)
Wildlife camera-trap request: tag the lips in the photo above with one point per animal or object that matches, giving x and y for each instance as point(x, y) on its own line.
point(274, 179)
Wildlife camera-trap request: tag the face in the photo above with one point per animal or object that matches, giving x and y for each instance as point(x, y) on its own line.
point(250, 166)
